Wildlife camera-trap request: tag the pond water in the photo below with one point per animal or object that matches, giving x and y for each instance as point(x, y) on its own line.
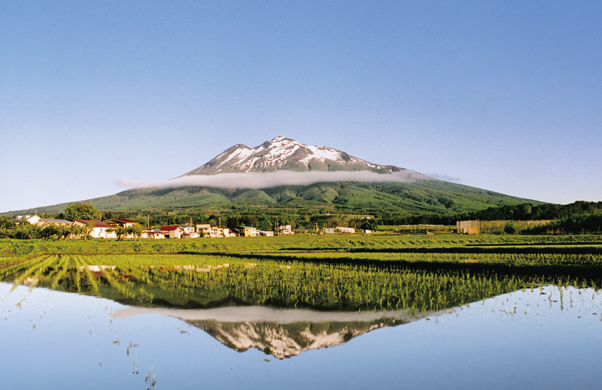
point(540, 338)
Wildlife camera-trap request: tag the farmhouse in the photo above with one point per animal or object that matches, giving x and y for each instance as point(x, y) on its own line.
point(189, 232)
point(32, 219)
point(125, 223)
point(153, 234)
point(285, 230)
point(99, 229)
point(49, 221)
point(213, 231)
point(172, 231)
point(247, 231)
point(345, 229)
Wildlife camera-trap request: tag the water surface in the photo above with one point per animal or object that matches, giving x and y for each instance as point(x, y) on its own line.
point(548, 338)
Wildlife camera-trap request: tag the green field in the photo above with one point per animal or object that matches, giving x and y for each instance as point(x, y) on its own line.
point(320, 272)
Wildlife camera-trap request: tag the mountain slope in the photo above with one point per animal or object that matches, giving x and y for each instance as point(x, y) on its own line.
point(401, 190)
point(422, 196)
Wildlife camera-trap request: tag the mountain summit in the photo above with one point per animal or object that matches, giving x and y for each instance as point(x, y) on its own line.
point(286, 154)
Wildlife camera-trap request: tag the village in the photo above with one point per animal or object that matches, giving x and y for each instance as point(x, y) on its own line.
point(127, 229)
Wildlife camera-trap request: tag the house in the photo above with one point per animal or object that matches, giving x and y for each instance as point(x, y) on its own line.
point(49, 221)
point(285, 230)
point(266, 233)
point(468, 227)
point(345, 229)
point(213, 231)
point(189, 232)
point(125, 223)
point(204, 229)
point(247, 231)
point(153, 234)
point(329, 230)
point(172, 231)
point(32, 219)
point(99, 229)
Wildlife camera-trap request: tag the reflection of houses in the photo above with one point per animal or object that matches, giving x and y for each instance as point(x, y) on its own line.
point(172, 231)
point(285, 230)
point(213, 231)
point(49, 221)
point(345, 229)
point(32, 219)
point(99, 229)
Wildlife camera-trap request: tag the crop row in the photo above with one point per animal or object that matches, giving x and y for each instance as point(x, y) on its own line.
point(285, 243)
point(202, 281)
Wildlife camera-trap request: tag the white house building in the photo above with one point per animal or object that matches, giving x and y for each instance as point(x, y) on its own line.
point(99, 229)
point(32, 219)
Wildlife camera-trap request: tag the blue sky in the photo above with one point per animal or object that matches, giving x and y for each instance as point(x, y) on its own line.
point(501, 95)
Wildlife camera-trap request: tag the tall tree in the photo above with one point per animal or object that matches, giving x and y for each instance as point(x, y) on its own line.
point(82, 211)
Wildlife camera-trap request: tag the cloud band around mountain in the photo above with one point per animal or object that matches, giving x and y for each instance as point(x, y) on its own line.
point(278, 178)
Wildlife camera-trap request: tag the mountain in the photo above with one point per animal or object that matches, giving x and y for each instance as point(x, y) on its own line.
point(286, 154)
point(342, 183)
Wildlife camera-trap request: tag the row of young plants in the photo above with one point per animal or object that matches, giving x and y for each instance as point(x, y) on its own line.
point(285, 243)
point(204, 281)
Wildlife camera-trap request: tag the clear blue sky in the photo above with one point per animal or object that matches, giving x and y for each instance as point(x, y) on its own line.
point(501, 95)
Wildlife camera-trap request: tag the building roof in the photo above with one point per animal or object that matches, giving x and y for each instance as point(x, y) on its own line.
point(172, 227)
point(51, 220)
point(97, 224)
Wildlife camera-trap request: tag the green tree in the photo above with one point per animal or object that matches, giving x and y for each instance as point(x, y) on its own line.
point(82, 211)
point(369, 224)
point(135, 230)
point(119, 231)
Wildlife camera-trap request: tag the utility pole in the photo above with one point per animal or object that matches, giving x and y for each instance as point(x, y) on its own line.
point(148, 221)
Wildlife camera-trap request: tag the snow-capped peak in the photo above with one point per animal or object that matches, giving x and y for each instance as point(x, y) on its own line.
point(286, 154)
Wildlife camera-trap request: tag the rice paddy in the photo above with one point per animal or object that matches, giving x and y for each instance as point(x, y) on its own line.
point(323, 273)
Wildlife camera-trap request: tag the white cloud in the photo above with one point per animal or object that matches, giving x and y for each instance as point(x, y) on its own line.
point(441, 176)
point(279, 178)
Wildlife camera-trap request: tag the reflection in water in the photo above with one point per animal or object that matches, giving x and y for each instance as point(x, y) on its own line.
point(548, 338)
point(281, 333)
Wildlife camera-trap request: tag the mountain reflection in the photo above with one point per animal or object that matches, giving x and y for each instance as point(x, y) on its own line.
point(281, 333)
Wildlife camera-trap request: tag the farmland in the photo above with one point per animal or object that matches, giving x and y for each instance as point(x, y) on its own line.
point(318, 272)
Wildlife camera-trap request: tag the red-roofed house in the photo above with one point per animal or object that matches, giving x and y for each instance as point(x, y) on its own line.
point(99, 230)
point(172, 231)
